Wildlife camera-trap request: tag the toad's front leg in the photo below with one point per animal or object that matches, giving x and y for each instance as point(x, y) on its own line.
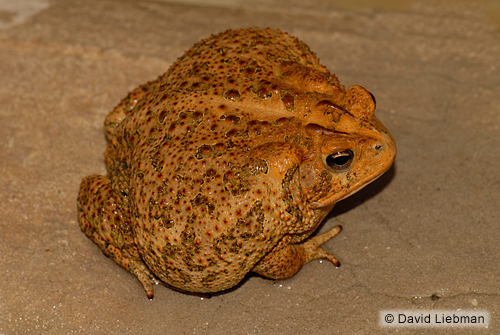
point(285, 261)
point(108, 225)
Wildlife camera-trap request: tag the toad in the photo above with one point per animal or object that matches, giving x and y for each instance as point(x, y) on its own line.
point(228, 162)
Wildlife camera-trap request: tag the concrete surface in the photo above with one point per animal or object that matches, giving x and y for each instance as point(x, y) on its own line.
point(425, 236)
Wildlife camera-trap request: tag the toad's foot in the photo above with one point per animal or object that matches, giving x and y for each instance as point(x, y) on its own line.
point(136, 267)
point(313, 251)
point(102, 219)
point(286, 261)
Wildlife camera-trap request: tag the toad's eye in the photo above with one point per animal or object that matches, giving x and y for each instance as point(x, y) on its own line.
point(340, 160)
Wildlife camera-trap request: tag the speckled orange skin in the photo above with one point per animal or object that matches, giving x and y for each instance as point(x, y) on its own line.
point(219, 167)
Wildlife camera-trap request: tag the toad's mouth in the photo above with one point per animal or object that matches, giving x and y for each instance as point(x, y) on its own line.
point(334, 198)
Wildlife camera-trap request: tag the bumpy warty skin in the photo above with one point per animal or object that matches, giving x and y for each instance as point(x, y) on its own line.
point(227, 163)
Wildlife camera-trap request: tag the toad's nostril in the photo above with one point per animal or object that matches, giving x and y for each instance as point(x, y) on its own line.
point(378, 147)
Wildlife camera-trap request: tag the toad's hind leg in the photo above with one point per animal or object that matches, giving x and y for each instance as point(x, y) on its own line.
point(107, 224)
point(286, 261)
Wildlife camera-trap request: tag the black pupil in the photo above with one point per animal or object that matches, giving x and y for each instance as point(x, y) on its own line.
point(339, 159)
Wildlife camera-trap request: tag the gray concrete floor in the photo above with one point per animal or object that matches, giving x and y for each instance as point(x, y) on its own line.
point(425, 236)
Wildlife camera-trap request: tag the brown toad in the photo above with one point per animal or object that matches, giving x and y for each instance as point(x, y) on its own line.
point(229, 161)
